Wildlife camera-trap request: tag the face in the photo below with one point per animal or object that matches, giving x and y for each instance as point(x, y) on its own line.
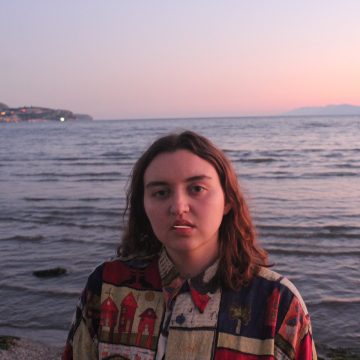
point(185, 203)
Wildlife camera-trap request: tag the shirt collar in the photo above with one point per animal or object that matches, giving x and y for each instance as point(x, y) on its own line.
point(201, 286)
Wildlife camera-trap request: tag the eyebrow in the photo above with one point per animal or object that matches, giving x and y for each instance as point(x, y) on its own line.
point(190, 179)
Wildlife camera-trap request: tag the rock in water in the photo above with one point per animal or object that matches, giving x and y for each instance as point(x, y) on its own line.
point(50, 272)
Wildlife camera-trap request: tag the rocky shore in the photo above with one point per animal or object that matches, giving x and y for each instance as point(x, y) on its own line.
point(13, 348)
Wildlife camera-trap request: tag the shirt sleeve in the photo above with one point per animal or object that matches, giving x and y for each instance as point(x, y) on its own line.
point(294, 337)
point(82, 341)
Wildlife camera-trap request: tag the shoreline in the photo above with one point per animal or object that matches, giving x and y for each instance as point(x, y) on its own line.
point(12, 347)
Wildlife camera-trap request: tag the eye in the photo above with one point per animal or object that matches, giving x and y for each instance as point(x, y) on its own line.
point(197, 189)
point(160, 193)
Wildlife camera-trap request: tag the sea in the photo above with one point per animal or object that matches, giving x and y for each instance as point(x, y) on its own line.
point(62, 197)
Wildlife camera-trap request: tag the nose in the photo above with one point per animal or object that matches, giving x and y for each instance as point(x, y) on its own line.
point(179, 204)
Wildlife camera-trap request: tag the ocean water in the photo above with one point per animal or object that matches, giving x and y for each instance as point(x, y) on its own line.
point(62, 193)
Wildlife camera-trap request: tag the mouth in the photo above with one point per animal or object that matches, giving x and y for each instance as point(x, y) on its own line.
point(182, 227)
point(182, 224)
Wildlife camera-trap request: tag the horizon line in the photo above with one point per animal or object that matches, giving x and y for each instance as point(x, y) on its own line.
point(222, 117)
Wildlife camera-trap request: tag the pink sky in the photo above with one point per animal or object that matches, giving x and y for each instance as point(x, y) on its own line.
point(133, 59)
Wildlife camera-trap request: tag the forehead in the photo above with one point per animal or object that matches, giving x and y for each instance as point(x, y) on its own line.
point(178, 165)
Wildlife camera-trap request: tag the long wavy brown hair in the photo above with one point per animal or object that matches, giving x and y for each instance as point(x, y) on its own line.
point(240, 255)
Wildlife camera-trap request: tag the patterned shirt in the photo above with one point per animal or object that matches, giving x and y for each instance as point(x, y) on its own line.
point(142, 309)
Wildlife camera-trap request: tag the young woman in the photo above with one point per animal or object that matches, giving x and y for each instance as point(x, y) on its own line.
point(190, 281)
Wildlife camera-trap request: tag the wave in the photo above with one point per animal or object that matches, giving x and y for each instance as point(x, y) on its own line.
point(77, 225)
point(73, 240)
point(61, 291)
point(84, 180)
point(308, 235)
point(53, 213)
point(75, 211)
point(121, 156)
point(33, 199)
point(34, 238)
point(68, 158)
point(276, 175)
point(324, 232)
point(255, 160)
point(46, 180)
point(268, 153)
point(104, 242)
point(99, 180)
point(346, 166)
point(72, 175)
point(285, 153)
point(315, 125)
point(91, 163)
point(86, 199)
point(330, 228)
point(330, 174)
point(56, 222)
point(312, 252)
point(35, 327)
point(335, 300)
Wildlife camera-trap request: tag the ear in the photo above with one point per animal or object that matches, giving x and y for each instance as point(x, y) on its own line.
point(227, 208)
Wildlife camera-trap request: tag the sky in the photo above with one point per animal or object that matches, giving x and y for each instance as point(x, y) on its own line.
point(124, 59)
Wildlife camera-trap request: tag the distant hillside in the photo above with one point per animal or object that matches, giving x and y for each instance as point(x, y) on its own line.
point(36, 113)
point(336, 110)
point(83, 117)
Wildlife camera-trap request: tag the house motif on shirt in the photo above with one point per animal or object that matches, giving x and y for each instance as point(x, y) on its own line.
point(109, 313)
point(146, 327)
point(127, 314)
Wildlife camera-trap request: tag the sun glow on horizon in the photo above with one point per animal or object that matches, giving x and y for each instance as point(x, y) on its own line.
point(181, 59)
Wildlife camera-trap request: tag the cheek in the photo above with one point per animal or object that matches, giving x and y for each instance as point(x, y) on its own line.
point(148, 211)
point(156, 219)
point(217, 204)
point(153, 212)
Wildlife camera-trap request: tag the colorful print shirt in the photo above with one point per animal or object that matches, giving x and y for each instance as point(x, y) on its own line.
point(142, 309)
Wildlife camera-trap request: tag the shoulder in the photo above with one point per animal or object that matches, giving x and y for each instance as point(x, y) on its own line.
point(290, 317)
point(135, 262)
point(270, 307)
point(285, 287)
point(126, 270)
point(138, 261)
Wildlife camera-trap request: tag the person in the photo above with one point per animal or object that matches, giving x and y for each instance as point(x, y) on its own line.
point(190, 280)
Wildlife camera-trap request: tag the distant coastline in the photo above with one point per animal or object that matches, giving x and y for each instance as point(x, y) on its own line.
point(43, 114)
point(38, 114)
point(329, 110)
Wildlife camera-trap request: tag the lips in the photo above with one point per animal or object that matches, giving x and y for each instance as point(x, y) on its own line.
point(182, 224)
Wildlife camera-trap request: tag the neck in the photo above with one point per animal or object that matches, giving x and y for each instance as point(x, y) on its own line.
point(190, 264)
